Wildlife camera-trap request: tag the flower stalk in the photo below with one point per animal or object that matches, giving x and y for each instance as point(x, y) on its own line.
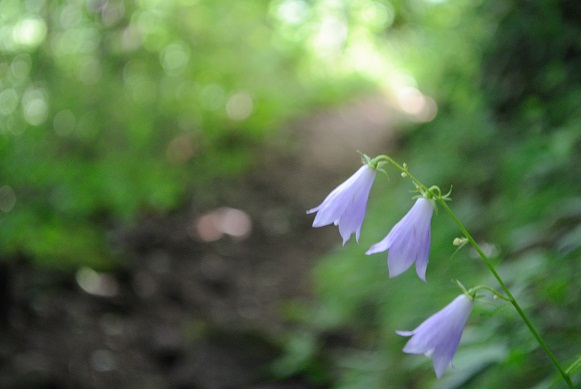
point(509, 296)
point(435, 193)
point(409, 242)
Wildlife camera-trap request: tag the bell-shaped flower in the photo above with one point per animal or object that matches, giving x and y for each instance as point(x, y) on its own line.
point(438, 337)
point(408, 241)
point(345, 206)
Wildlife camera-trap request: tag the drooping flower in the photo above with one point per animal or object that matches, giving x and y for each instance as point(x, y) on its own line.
point(345, 206)
point(439, 335)
point(408, 241)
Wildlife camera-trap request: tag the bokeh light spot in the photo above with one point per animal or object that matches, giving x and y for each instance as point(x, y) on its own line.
point(8, 101)
point(174, 59)
point(292, 11)
point(207, 229)
point(377, 15)
point(20, 66)
point(70, 16)
point(90, 72)
point(112, 13)
point(35, 106)
point(29, 32)
point(421, 108)
point(74, 41)
point(131, 38)
point(239, 106)
point(95, 283)
point(235, 222)
point(180, 149)
point(331, 36)
point(223, 221)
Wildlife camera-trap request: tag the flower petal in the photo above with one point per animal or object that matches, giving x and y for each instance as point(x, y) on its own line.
point(345, 206)
point(379, 247)
point(408, 241)
point(439, 335)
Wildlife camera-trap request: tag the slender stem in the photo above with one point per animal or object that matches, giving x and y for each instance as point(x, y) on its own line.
point(493, 291)
point(576, 365)
point(509, 297)
point(403, 169)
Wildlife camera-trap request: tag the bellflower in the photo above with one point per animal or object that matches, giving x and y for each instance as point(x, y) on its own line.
point(345, 206)
point(438, 337)
point(408, 241)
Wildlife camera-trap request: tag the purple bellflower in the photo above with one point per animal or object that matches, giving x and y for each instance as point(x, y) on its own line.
point(345, 206)
point(438, 337)
point(408, 241)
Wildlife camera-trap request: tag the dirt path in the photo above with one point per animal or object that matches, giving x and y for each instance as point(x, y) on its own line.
point(193, 311)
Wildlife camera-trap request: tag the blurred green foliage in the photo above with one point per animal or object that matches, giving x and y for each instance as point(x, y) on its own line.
point(110, 108)
point(507, 137)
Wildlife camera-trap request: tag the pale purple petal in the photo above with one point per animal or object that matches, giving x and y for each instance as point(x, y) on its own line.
point(379, 247)
point(345, 206)
point(408, 241)
point(440, 334)
point(400, 256)
point(423, 254)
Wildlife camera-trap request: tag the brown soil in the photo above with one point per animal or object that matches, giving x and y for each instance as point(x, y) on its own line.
point(184, 312)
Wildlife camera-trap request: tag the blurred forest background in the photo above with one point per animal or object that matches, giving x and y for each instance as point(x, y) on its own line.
point(157, 158)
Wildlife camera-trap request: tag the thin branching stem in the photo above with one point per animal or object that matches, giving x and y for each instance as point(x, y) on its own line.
point(509, 295)
point(436, 195)
point(491, 290)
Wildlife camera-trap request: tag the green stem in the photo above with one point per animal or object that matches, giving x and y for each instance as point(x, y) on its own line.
point(509, 297)
point(576, 365)
point(493, 291)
